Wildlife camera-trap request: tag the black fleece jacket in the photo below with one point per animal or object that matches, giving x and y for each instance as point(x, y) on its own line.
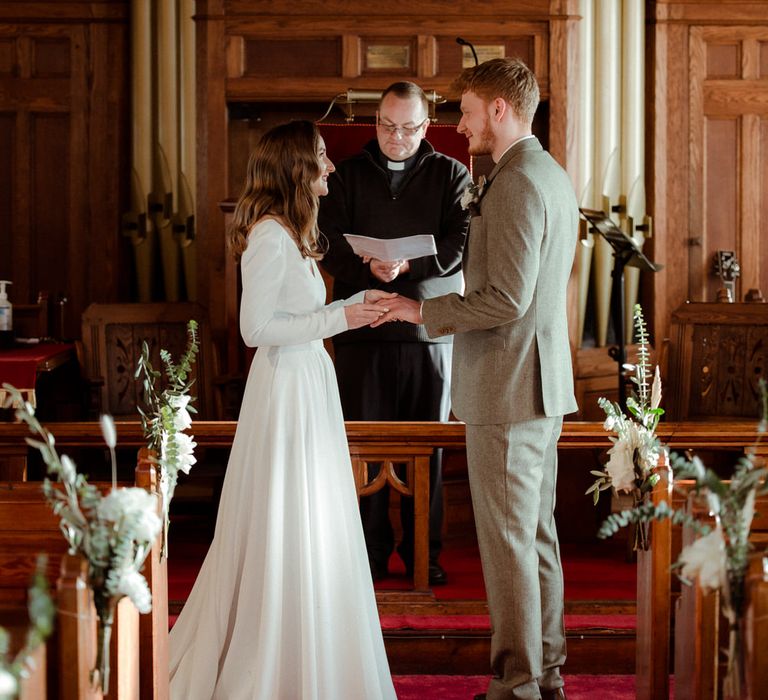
point(360, 202)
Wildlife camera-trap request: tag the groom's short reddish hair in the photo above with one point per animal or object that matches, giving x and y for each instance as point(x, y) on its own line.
point(508, 78)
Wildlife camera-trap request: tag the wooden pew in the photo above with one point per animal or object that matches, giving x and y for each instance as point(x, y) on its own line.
point(757, 629)
point(701, 631)
point(139, 650)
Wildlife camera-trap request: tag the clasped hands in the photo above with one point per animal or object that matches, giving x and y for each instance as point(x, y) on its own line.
point(386, 270)
point(380, 307)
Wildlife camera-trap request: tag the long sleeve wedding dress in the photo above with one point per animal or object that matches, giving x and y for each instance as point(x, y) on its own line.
point(283, 607)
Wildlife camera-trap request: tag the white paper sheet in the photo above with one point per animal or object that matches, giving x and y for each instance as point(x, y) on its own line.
point(406, 248)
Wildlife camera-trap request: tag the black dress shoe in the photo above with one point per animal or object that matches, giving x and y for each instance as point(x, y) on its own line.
point(556, 694)
point(480, 696)
point(437, 575)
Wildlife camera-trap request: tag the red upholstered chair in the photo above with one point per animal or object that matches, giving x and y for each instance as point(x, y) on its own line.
point(345, 140)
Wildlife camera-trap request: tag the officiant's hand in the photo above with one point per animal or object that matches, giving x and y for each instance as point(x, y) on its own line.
point(388, 270)
point(400, 309)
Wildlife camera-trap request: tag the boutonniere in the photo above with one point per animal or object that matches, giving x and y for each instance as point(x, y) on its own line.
point(470, 198)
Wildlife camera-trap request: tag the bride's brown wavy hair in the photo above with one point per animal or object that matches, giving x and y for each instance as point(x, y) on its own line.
point(278, 183)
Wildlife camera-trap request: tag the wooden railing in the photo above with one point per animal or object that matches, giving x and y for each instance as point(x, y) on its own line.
point(576, 435)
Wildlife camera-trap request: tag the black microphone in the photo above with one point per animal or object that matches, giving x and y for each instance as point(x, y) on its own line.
point(464, 42)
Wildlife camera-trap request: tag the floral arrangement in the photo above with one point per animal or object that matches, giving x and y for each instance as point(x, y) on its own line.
point(470, 198)
point(635, 453)
point(113, 532)
point(719, 559)
point(41, 614)
point(168, 416)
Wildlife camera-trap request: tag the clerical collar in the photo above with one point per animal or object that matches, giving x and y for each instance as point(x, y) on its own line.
point(398, 167)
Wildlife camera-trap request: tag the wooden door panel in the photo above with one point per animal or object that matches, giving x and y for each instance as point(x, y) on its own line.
point(728, 205)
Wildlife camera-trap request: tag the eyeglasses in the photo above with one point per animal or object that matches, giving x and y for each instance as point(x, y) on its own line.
point(392, 129)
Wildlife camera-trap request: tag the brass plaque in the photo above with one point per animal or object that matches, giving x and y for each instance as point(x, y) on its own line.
point(485, 52)
point(387, 56)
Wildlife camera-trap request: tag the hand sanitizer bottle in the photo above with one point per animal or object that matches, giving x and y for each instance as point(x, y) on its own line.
point(6, 316)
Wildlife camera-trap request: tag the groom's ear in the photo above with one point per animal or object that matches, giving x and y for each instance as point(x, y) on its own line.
point(498, 108)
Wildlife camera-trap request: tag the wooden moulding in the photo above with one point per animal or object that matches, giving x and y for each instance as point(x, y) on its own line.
point(153, 627)
point(654, 600)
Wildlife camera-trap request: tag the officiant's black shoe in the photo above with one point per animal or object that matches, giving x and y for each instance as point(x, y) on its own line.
point(556, 694)
point(437, 575)
point(480, 696)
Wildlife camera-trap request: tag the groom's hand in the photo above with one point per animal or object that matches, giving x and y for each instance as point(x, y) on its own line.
point(400, 309)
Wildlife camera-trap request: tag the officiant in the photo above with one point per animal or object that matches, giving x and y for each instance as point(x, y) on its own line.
point(397, 186)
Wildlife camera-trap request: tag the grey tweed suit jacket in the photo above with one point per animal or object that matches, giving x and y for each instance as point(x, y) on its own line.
point(512, 359)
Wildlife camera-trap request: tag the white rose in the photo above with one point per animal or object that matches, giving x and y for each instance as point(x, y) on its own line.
point(181, 419)
point(620, 466)
point(705, 560)
point(134, 585)
point(8, 685)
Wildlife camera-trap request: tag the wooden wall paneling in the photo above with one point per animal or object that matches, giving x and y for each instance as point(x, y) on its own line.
point(80, 244)
point(668, 168)
point(762, 248)
point(7, 145)
point(63, 92)
point(716, 204)
point(749, 213)
point(699, 139)
point(522, 36)
point(426, 57)
point(212, 160)
point(562, 75)
point(563, 78)
point(468, 9)
point(108, 197)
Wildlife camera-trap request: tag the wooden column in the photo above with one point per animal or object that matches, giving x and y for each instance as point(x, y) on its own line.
point(153, 627)
point(654, 602)
point(76, 629)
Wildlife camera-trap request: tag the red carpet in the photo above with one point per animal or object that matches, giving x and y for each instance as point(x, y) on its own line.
point(465, 687)
point(596, 571)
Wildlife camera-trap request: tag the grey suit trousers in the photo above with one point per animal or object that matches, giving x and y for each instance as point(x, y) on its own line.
point(512, 475)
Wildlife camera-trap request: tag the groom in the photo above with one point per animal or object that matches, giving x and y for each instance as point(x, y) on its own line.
point(512, 378)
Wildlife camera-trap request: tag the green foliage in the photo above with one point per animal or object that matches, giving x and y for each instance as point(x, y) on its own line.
point(41, 612)
point(177, 375)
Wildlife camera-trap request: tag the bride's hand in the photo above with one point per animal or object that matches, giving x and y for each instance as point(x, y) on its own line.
point(374, 295)
point(359, 315)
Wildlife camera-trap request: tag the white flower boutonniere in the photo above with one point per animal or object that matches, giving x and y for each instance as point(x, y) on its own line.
point(470, 198)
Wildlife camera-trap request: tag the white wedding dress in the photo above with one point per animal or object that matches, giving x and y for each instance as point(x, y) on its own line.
point(283, 607)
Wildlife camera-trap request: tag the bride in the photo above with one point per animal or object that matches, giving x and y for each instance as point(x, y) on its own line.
point(283, 607)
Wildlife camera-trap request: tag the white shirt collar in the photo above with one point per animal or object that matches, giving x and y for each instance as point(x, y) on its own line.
point(514, 143)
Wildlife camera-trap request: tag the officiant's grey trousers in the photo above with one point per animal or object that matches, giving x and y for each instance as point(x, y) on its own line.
point(512, 474)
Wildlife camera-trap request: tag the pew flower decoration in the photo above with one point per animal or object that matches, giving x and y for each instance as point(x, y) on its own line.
point(473, 193)
point(168, 417)
point(41, 614)
point(634, 456)
point(719, 558)
point(114, 533)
